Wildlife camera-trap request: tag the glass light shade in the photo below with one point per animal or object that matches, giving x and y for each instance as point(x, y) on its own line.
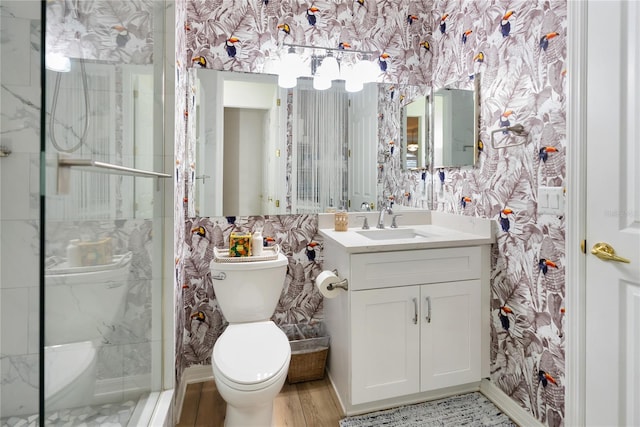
point(321, 82)
point(345, 70)
point(412, 147)
point(292, 65)
point(287, 81)
point(330, 68)
point(57, 62)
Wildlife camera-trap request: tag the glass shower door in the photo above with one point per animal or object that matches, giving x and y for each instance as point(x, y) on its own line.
point(103, 221)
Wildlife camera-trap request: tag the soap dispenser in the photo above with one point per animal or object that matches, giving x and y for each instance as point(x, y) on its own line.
point(258, 242)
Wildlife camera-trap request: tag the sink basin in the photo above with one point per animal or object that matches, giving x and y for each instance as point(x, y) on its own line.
point(392, 234)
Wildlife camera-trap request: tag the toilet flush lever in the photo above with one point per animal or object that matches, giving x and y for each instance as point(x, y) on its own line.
point(219, 276)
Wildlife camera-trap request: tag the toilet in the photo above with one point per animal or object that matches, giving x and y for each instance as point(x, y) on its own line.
point(70, 372)
point(250, 359)
point(80, 303)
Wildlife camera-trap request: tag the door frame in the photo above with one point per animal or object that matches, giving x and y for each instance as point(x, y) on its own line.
point(575, 276)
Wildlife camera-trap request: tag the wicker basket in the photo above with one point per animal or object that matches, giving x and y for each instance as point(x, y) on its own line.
point(309, 349)
point(307, 366)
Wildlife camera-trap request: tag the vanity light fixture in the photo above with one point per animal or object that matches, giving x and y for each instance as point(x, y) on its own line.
point(291, 68)
point(327, 66)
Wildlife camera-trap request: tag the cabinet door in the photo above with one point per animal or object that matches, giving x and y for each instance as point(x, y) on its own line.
point(385, 329)
point(450, 334)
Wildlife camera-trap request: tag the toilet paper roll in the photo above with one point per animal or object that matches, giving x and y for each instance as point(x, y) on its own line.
point(323, 280)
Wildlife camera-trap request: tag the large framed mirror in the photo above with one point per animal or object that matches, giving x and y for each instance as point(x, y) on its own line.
point(454, 125)
point(264, 150)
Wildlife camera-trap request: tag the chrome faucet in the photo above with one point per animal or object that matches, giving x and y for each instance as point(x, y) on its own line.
point(386, 209)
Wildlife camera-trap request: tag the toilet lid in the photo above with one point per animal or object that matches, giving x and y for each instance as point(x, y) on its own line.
point(64, 363)
point(251, 353)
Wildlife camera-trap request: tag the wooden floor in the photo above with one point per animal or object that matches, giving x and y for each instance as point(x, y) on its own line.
point(306, 404)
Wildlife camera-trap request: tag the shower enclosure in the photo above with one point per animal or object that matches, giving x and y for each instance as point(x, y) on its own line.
point(82, 264)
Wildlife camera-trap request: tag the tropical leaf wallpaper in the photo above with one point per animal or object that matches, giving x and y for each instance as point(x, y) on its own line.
point(519, 50)
point(115, 31)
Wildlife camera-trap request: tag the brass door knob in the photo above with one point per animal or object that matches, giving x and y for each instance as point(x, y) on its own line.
point(605, 252)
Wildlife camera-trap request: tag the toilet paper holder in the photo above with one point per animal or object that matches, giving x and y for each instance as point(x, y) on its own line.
point(342, 284)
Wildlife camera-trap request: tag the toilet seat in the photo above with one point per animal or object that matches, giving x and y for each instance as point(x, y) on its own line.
point(251, 356)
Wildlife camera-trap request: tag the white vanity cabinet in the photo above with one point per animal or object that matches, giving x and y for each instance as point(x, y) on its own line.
point(410, 325)
point(410, 339)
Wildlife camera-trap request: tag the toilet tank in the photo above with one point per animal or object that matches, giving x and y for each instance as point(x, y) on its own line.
point(248, 291)
point(84, 303)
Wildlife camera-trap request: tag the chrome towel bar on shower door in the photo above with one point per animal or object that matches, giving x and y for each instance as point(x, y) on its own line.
point(89, 165)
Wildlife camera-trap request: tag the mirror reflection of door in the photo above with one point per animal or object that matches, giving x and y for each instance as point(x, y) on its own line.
point(249, 108)
point(237, 133)
point(245, 132)
point(413, 131)
point(363, 142)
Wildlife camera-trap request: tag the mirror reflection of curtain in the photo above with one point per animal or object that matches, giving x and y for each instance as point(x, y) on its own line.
point(91, 195)
point(120, 112)
point(320, 149)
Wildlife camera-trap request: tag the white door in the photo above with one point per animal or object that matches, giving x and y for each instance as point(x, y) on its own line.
point(612, 288)
point(363, 146)
point(385, 343)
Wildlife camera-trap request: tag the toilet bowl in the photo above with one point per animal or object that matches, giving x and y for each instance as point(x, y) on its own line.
point(81, 303)
point(70, 372)
point(250, 364)
point(250, 360)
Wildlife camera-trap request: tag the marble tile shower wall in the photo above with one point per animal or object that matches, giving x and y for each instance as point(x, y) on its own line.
point(19, 206)
point(127, 344)
point(519, 47)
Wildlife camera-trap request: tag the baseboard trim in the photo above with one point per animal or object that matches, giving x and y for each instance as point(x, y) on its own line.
point(192, 374)
point(517, 413)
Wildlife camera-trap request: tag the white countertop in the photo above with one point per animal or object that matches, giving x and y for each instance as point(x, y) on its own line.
point(442, 230)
